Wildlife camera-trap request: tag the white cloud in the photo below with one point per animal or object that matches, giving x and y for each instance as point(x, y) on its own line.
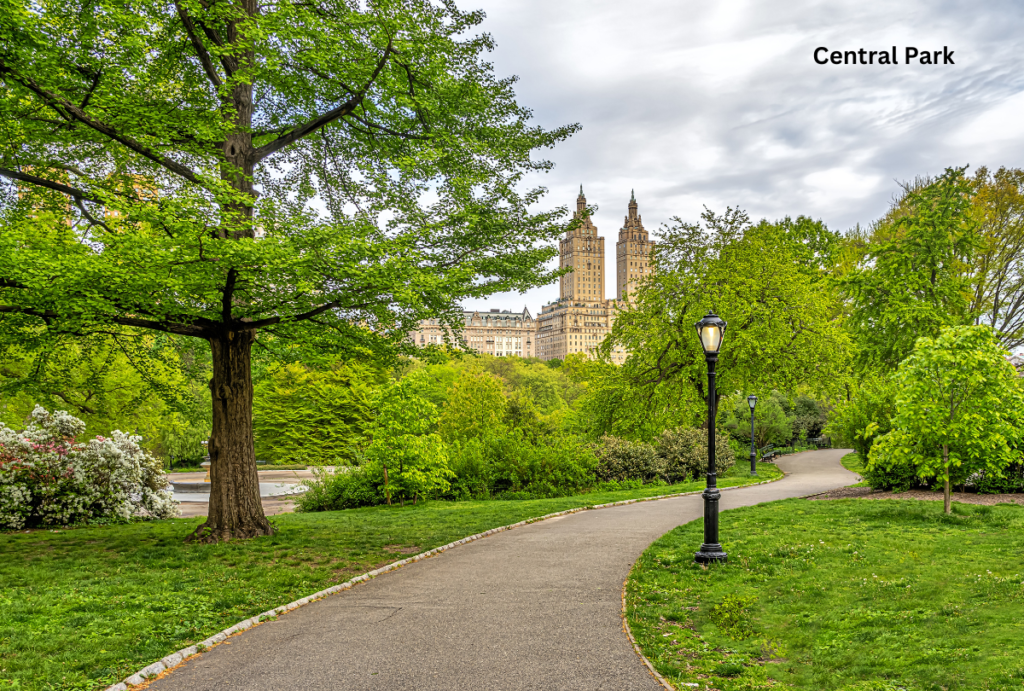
point(695, 103)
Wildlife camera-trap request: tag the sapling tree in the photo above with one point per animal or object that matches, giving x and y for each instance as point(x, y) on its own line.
point(318, 174)
point(958, 407)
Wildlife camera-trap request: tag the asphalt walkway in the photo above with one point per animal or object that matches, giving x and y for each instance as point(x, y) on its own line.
point(537, 607)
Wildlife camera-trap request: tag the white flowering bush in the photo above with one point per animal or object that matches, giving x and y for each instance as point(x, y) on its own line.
point(47, 478)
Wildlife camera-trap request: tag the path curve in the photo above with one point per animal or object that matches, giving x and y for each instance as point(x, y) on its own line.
point(538, 607)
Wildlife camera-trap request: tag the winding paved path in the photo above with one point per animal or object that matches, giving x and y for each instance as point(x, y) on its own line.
point(537, 607)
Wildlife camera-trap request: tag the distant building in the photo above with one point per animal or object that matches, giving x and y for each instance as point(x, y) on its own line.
point(581, 317)
point(496, 332)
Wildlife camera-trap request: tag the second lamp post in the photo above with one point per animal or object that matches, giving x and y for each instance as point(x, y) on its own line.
point(752, 401)
point(711, 330)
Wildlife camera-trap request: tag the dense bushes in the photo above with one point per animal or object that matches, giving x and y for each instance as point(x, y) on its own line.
point(685, 453)
point(314, 417)
point(47, 478)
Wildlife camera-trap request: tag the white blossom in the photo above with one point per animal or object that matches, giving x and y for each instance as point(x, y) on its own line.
point(47, 478)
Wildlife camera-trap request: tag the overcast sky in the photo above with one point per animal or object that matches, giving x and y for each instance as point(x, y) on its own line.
point(721, 103)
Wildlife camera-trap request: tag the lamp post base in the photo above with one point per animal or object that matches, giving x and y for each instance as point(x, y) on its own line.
point(709, 554)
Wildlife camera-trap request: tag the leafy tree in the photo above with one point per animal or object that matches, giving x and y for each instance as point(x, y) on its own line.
point(866, 415)
point(144, 386)
point(315, 417)
point(181, 146)
point(771, 424)
point(915, 277)
point(998, 280)
point(768, 281)
point(406, 457)
point(475, 408)
point(958, 406)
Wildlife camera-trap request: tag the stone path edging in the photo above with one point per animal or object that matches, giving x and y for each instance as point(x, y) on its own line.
point(174, 659)
point(636, 646)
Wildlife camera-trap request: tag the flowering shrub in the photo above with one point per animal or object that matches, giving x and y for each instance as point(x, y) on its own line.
point(46, 478)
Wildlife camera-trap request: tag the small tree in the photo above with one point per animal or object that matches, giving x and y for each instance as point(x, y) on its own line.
point(957, 406)
point(407, 458)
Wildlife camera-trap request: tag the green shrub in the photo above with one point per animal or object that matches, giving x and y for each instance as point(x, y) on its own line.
point(887, 469)
point(684, 452)
point(345, 488)
point(619, 459)
point(1012, 480)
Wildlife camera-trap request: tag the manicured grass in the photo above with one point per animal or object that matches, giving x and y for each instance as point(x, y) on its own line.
point(84, 608)
point(830, 595)
point(853, 462)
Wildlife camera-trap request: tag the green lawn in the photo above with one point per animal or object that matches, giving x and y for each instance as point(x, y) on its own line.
point(851, 594)
point(854, 463)
point(83, 608)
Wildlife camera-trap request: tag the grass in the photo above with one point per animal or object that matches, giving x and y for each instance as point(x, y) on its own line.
point(84, 608)
point(855, 464)
point(839, 595)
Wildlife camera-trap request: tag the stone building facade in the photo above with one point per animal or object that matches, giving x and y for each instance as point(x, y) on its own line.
point(581, 317)
point(496, 332)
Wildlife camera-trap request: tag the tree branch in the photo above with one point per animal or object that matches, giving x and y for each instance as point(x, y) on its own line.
point(49, 184)
point(201, 52)
point(341, 111)
point(67, 108)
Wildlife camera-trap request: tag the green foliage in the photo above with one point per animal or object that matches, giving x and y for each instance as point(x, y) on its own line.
point(151, 386)
point(619, 459)
point(316, 417)
point(406, 458)
point(475, 407)
point(915, 276)
point(685, 453)
point(768, 281)
point(838, 596)
point(958, 409)
point(867, 415)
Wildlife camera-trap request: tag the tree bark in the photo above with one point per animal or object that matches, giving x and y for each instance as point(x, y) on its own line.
point(235, 507)
point(947, 505)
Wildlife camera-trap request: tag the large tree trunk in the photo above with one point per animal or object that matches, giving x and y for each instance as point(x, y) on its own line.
point(235, 507)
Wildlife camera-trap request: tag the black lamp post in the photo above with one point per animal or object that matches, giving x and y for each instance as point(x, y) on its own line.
point(752, 401)
point(711, 330)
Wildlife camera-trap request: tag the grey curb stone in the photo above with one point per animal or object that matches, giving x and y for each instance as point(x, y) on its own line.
point(136, 679)
point(172, 660)
point(152, 670)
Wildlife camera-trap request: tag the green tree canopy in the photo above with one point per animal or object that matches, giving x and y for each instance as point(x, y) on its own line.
point(326, 173)
point(958, 406)
point(768, 281)
point(915, 275)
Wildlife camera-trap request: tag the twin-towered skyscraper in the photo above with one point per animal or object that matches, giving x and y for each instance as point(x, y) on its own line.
point(581, 317)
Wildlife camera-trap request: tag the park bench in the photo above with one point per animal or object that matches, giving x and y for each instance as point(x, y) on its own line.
point(768, 453)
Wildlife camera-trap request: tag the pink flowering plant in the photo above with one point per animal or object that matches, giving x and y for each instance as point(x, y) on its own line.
point(48, 479)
